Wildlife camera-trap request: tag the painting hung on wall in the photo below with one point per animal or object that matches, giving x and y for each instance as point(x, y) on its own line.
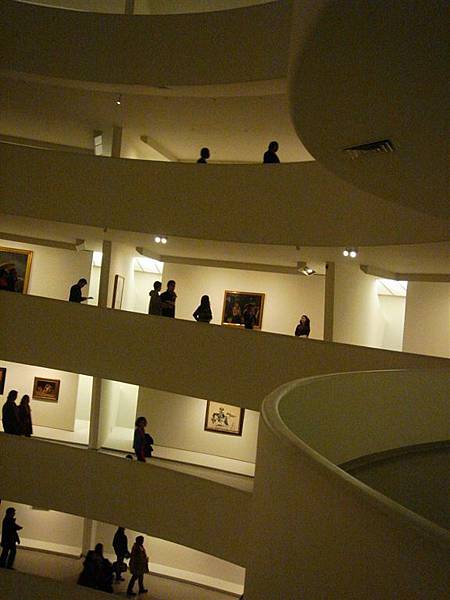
point(237, 304)
point(224, 418)
point(2, 379)
point(15, 266)
point(119, 283)
point(46, 389)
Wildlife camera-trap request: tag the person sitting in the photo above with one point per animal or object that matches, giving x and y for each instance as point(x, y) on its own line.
point(75, 292)
point(270, 155)
point(303, 328)
point(204, 155)
point(202, 313)
point(97, 571)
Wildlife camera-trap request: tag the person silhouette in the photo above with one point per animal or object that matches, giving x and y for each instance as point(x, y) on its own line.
point(75, 291)
point(10, 414)
point(270, 155)
point(204, 155)
point(9, 538)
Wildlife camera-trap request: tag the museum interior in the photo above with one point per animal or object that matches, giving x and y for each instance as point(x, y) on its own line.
point(284, 467)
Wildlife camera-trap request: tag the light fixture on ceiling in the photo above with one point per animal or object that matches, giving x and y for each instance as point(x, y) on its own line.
point(160, 239)
point(350, 252)
point(303, 268)
point(119, 99)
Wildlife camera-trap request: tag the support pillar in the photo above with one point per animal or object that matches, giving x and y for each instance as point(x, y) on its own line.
point(89, 531)
point(328, 318)
point(116, 146)
point(129, 7)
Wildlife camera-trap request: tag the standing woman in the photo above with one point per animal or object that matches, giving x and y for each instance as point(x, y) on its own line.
point(138, 566)
point(202, 313)
point(24, 415)
point(303, 328)
point(139, 438)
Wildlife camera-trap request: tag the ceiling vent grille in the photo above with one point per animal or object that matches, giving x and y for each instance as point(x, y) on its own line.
point(382, 146)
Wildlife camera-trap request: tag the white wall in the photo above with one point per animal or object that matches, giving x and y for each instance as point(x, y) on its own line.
point(143, 285)
point(53, 270)
point(393, 311)
point(177, 421)
point(59, 415)
point(83, 405)
point(427, 319)
point(117, 407)
point(357, 315)
point(287, 296)
point(122, 263)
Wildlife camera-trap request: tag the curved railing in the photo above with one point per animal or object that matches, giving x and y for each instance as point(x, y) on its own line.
point(147, 50)
point(332, 535)
point(122, 351)
point(240, 203)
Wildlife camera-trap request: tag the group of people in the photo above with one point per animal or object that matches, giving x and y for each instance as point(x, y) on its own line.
point(99, 573)
point(17, 417)
point(270, 155)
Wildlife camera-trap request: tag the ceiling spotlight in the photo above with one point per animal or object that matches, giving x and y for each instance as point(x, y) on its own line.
point(157, 239)
point(307, 271)
point(119, 99)
point(352, 252)
point(163, 240)
point(160, 239)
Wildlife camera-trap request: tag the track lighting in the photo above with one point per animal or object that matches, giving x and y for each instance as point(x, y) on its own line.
point(160, 239)
point(307, 271)
point(351, 252)
point(119, 99)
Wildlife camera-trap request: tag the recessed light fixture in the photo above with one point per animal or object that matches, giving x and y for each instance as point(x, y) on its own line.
point(160, 239)
point(119, 99)
point(351, 252)
point(307, 271)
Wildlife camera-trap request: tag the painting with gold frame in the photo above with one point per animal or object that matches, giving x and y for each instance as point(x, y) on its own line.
point(46, 389)
point(224, 418)
point(236, 303)
point(119, 283)
point(15, 267)
point(2, 379)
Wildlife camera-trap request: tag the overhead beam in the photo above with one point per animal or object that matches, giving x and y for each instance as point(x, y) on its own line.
point(25, 239)
point(383, 273)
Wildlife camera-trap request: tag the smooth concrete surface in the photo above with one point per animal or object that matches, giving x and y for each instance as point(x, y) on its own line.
point(265, 204)
point(126, 347)
point(125, 47)
point(331, 536)
point(151, 499)
point(367, 71)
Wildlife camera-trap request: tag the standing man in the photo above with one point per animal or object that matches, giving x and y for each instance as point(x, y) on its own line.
point(168, 299)
point(9, 539)
point(10, 414)
point(75, 292)
point(270, 155)
point(120, 545)
point(154, 307)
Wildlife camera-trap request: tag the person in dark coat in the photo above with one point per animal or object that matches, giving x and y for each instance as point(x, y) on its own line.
point(97, 571)
point(75, 292)
point(202, 313)
point(168, 299)
point(154, 306)
point(120, 545)
point(24, 414)
point(138, 566)
point(9, 538)
point(10, 414)
point(270, 155)
point(139, 438)
point(303, 328)
point(204, 155)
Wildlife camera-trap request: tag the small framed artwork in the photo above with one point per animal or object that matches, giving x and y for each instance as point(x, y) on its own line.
point(15, 267)
point(119, 283)
point(224, 418)
point(46, 389)
point(236, 304)
point(2, 379)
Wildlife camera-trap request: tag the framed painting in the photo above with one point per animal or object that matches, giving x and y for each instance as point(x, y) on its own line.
point(2, 379)
point(15, 267)
point(224, 418)
point(236, 304)
point(46, 389)
point(119, 283)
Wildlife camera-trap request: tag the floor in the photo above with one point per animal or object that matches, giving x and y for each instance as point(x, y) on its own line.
point(68, 569)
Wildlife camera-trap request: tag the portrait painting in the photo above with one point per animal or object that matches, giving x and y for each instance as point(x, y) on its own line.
point(15, 267)
point(119, 283)
point(46, 389)
point(224, 418)
point(2, 379)
point(235, 305)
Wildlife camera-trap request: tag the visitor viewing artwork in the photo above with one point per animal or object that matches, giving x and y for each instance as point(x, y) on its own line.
point(15, 267)
point(238, 306)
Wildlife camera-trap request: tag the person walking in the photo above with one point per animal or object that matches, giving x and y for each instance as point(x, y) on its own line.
point(138, 566)
point(270, 155)
point(10, 415)
point(154, 307)
point(202, 313)
point(24, 415)
point(10, 538)
point(204, 155)
point(304, 327)
point(168, 299)
point(75, 292)
point(120, 545)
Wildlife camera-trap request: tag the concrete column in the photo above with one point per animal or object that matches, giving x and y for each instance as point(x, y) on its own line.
point(94, 418)
point(328, 318)
point(104, 274)
point(89, 531)
point(116, 146)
